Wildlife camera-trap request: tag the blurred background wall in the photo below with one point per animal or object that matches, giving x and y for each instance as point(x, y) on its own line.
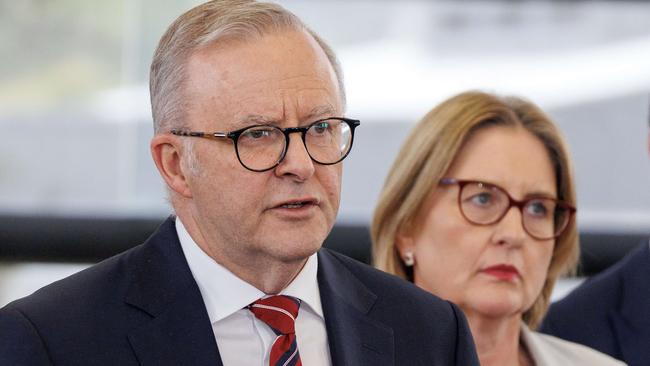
point(75, 115)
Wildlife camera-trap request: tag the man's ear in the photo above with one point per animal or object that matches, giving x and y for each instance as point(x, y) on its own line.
point(166, 153)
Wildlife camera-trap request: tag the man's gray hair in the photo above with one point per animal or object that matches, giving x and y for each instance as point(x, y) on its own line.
point(207, 24)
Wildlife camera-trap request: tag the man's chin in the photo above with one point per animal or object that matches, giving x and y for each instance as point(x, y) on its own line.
point(293, 250)
point(303, 251)
point(295, 242)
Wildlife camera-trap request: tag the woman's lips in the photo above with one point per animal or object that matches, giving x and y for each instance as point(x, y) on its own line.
point(503, 272)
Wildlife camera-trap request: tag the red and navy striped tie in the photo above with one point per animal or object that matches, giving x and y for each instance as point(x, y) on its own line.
point(280, 313)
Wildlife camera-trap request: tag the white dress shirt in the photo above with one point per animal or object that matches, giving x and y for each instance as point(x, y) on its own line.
point(241, 337)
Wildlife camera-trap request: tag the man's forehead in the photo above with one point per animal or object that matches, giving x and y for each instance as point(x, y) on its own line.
point(267, 80)
point(244, 107)
point(287, 54)
point(274, 49)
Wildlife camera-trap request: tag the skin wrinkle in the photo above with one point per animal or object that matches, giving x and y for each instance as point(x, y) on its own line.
point(225, 83)
point(315, 114)
point(280, 115)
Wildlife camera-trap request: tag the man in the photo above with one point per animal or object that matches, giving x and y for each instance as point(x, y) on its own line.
point(238, 276)
point(611, 311)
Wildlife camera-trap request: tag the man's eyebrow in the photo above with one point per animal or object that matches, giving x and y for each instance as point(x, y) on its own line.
point(320, 111)
point(255, 119)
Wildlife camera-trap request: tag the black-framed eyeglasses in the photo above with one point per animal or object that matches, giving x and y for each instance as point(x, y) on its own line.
point(483, 203)
point(263, 147)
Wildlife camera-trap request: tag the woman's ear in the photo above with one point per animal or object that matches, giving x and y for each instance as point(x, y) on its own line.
point(166, 153)
point(405, 241)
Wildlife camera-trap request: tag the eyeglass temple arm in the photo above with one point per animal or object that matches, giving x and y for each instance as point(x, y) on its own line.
point(448, 181)
point(212, 135)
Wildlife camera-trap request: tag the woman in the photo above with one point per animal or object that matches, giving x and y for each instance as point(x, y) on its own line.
point(478, 209)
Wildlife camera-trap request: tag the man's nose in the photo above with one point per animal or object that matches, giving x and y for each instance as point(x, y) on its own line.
point(297, 162)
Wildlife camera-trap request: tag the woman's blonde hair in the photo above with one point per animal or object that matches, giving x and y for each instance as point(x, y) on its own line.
point(427, 155)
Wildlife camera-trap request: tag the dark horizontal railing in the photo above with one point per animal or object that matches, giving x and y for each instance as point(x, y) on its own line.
point(91, 239)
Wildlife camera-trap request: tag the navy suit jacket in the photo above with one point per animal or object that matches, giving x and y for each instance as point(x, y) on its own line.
point(610, 312)
point(143, 307)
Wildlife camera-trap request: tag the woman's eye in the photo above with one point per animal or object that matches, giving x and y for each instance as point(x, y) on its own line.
point(537, 209)
point(481, 199)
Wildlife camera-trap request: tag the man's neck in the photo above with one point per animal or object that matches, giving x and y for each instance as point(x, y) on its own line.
point(265, 274)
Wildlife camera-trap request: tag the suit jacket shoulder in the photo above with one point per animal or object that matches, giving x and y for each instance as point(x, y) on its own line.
point(118, 312)
point(609, 312)
point(64, 316)
point(389, 320)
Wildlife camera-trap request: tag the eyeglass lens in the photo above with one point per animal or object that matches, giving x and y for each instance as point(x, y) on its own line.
point(262, 147)
point(484, 204)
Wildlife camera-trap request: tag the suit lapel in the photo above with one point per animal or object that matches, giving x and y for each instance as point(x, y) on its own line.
point(631, 321)
point(179, 331)
point(354, 337)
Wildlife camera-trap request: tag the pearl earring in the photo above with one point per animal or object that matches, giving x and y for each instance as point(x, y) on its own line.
point(408, 259)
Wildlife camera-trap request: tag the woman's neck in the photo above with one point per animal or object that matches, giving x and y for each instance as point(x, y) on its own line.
point(497, 340)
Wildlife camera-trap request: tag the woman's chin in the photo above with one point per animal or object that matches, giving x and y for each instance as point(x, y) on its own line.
point(495, 307)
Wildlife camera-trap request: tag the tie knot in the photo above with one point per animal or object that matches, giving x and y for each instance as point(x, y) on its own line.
point(278, 312)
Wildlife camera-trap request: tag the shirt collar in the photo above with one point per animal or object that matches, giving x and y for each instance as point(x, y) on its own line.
point(224, 293)
point(305, 286)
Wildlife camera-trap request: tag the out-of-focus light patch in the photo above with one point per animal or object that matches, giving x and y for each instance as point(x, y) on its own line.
point(393, 80)
point(398, 80)
point(564, 286)
point(21, 279)
point(627, 220)
point(127, 104)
